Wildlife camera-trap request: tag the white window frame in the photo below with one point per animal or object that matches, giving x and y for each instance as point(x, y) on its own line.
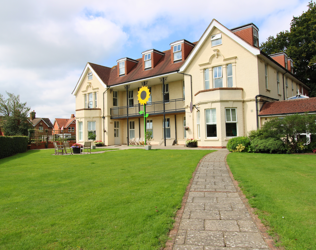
point(168, 131)
point(122, 68)
point(218, 71)
point(115, 95)
point(90, 100)
point(207, 79)
point(230, 76)
point(216, 40)
point(130, 98)
point(131, 129)
point(266, 76)
point(278, 83)
point(147, 61)
point(198, 118)
point(40, 128)
point(85, 101)
point(149, 127)
point(255, 38)
point(80, 131)
point(210, 113)
point(150, 97)
point(90, 76)
point(95, 99)
point(231, 120)
point(92, 128)
point(166, 92)
point(116, 129)
point(177, 52)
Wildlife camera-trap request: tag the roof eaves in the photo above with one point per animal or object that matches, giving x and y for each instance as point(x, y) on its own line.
point(88, 66)
point(222, 28)
point(286, 70)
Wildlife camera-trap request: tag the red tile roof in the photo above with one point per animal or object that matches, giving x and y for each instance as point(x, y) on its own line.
point(289, 107)
point(110, 76)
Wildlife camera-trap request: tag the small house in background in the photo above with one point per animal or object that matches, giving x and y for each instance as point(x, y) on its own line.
point(65, 127)
point(43, 125)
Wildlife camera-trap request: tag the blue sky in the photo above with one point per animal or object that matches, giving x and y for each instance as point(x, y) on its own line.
point(45, 45)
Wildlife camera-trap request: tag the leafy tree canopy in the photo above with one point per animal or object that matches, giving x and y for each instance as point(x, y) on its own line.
point(14, 115)
point(300, 45)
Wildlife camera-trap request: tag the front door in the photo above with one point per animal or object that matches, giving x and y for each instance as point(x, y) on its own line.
point(117, 139)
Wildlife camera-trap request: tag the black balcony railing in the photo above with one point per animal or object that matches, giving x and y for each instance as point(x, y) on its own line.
point(175, 105)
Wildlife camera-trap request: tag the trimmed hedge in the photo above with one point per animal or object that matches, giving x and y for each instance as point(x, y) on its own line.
point(269, 145)
point(234, 142)
point(11, 145)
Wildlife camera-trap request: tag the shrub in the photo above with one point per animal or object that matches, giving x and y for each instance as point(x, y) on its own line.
point(234, 142)
point(11, 145)
point(268, 145)
point(240, 148)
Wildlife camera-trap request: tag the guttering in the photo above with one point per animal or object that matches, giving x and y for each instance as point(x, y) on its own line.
point(257, 115)
point(287, 114)
point(144, 79)
point(103, 117)
point(190, 84)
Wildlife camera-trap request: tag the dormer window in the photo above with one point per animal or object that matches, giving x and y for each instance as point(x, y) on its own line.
point(216, 39)
point(147, 60)
point(177, 53)
point(122, 68)
point(90, 76)
point(255, 38)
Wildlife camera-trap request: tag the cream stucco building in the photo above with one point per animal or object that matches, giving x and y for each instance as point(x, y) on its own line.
point(210, 90)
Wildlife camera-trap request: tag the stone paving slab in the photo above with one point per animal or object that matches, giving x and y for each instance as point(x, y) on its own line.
point(214, 216)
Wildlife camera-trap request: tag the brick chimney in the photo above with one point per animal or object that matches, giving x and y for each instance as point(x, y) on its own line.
point(32, 115)
point(72, 115)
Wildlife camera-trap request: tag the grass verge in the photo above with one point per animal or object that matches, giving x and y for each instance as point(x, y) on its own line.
point(283, 189)
point(115, 200)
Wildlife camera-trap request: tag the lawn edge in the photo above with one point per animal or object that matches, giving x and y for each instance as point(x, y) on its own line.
point(174, 231)
point(262, 228)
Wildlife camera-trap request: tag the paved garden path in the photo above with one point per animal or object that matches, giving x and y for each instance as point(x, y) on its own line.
point(214, 217)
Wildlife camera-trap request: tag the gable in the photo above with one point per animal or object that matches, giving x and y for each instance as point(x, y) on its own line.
point(94, 68)
point(215, 25)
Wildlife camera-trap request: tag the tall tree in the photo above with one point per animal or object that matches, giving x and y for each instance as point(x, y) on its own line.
point(15, 115)
point(300, 45)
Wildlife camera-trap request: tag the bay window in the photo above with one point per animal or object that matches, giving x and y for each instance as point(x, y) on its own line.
point(210, 123)
point(229, 75)
point(80, 134)
point(91, 130)
point(218, 77)
point(231, 122)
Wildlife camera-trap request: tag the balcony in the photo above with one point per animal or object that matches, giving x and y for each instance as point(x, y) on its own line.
point(155, 108)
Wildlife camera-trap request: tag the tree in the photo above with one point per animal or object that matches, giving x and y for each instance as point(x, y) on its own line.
point(300, 45)
point(15, 115)
point(288, 129)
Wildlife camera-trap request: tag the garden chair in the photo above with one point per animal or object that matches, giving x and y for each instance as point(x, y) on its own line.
point(58, 148)
point(87, 145)
point(67, 148)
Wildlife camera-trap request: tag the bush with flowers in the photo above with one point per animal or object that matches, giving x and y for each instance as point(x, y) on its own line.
point(77, 145)
point(191, 141)
point(99, 143)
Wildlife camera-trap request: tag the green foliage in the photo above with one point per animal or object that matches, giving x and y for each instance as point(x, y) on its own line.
point(11, 145)
point(268, 145)
point(15, 115)
point(234, 142)
point(299, 44)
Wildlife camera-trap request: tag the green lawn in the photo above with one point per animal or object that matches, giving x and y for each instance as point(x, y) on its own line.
point(283, 188)
point(122, 199)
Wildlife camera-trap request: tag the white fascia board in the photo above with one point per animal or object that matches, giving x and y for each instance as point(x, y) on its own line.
point(143, 79)
point(227, 32)
point(74, 92)
point(288, 114)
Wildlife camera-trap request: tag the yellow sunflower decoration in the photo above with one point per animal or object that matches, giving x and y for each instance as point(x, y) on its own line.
point(143, 95)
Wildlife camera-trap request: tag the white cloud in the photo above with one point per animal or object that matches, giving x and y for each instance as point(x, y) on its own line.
point(44, 45)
